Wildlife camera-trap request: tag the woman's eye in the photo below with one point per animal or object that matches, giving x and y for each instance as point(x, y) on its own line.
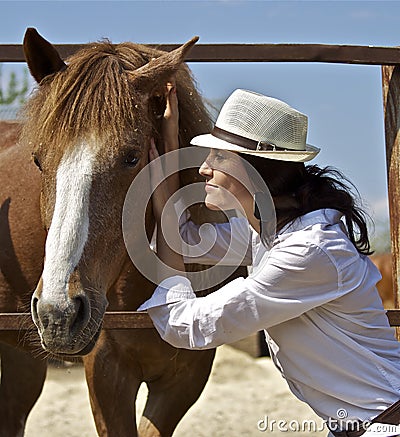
point(37, 162)
point(131, 159)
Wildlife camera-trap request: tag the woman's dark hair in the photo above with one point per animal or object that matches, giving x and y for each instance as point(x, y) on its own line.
point(298, 189)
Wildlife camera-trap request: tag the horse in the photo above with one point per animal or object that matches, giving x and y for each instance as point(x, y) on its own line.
point(383, 261)
point(84, 137)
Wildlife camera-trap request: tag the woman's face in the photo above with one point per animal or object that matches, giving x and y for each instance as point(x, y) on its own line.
point(226, 178)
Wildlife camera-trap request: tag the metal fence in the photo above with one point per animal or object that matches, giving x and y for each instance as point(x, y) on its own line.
point(387, 57)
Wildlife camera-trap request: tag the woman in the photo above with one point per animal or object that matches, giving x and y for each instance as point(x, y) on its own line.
point(312, 287)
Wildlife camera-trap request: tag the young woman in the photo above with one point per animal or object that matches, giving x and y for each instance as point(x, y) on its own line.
point(312, 287)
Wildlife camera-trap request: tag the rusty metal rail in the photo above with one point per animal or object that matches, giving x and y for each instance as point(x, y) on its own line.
point(112, 320)
point(119, 320)
point(394, 317)
point(344, 54)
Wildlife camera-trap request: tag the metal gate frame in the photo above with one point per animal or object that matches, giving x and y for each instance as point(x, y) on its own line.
point(387, 57)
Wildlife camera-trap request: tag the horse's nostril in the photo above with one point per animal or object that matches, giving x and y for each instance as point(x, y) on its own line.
point(82, 314)
point(34, 308)
point(40, 320)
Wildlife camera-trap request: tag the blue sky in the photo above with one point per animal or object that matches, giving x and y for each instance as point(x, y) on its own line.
point(343, 102)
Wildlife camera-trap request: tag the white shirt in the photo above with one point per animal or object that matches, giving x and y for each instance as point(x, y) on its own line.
point(316, 299)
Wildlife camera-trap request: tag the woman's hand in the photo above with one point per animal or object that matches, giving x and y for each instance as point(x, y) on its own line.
point(170, 125)
point(169, 185)
point(170, 134)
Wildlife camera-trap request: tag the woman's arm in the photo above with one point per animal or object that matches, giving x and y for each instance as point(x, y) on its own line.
point(170, 134)
point(292, 281)
point(160, 196)
point(168, 186)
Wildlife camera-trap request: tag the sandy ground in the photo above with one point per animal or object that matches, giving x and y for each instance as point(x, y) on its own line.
point(242, 392)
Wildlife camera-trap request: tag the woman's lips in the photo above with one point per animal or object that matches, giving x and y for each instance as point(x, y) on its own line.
point(210, 187)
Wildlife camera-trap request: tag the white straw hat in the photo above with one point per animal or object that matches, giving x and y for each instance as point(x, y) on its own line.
point(262, 126)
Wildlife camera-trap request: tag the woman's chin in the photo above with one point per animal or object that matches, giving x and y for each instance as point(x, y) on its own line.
point(212, 206)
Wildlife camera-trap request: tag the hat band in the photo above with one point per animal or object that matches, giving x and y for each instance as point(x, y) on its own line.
point(232, 138)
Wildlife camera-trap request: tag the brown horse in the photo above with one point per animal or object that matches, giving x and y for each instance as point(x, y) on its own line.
point(385, 286)
point(88, 126)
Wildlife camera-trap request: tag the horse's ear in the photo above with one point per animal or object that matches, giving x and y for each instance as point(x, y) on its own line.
point(42, 58)
point(159, 70)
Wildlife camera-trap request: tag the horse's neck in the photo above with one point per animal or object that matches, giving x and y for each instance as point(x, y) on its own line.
point(130, 290)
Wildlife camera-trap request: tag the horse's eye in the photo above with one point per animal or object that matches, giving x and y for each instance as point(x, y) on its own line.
point(132, 158)
point(37, 162)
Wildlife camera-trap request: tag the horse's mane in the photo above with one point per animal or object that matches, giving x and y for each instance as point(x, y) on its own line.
point(95, 96)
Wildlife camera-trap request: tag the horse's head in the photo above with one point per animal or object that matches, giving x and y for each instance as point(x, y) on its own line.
point(89, 124)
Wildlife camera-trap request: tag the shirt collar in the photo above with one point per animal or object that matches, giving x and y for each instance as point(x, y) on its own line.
point(320, 216)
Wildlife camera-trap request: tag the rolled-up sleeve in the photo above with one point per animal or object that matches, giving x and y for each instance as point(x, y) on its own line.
point(292, 281)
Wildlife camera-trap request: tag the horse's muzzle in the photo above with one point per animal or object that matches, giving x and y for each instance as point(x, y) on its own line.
point(65, 327)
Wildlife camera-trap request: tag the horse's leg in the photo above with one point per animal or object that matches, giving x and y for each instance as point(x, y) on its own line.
point(112, 389)
point(22, 378)
point(177, 389)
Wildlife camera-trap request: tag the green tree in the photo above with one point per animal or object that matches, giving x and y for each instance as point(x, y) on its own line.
point(13, 91)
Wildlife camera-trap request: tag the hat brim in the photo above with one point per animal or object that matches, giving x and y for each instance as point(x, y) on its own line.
point(212, 142)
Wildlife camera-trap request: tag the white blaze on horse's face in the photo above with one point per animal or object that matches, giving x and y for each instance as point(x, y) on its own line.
point(69, 227)
point(59, 311)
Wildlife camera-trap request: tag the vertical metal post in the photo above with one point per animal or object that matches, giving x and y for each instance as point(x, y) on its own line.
point(391, 104)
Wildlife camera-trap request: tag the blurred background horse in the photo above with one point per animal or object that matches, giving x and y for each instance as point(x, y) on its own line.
point(385, 286)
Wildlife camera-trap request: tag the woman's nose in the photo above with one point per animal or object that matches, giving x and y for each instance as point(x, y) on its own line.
point(205, 169)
